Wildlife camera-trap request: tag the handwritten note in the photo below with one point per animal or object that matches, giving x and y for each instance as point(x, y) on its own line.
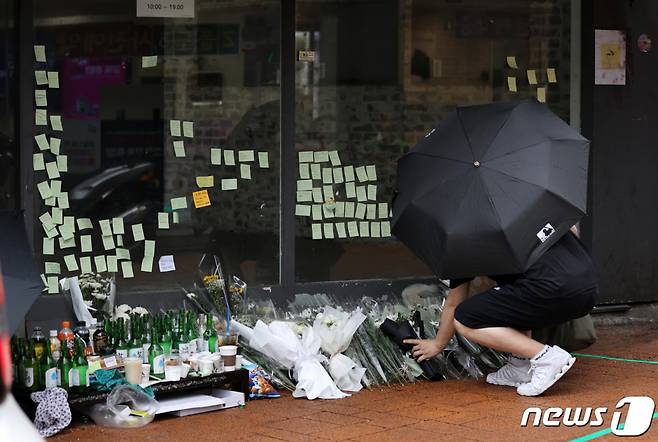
point(201, 198)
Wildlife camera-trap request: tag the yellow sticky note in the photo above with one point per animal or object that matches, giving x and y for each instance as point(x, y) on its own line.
point(371, 171)
point(122, 254)
point(56, 122)
point(511, 84)
point(175, 218)
point(532, 76)
point(127, 269)
point(201, 198)
point(40, 98)
point(216, 156)
point(40, 117)
point(304, 171)
point(610, 54)
point(316, 231)
point(40, 53)
point(205, 181)
point(163, 220)
point(317, 195)
point(174, 128)
point(371, 211)
point(229, 184)
point(383, 210)
point(551, 75)
point(179, 203)
point(179, 148)
point(138, 232)
point(188, 129)
point(541, 94)
point(149, 61)
point(37, 162)
point(41, 77)
point(350, 208)
point(511, 62)
point(263, 160)
point(53, 79)
point(245, 171)
point(63, 200)
point(350, 190)
point(56, 187)
point(52, 268)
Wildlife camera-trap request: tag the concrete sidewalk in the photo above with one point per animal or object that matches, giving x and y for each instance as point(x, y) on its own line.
point(448, 410)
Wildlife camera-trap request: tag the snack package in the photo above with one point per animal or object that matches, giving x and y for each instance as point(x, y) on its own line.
point(260, 385)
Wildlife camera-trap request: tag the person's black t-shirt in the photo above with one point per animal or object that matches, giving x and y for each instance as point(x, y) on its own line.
point(565, 268)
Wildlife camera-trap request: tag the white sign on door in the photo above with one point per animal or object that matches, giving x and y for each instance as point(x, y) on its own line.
point(165, 8)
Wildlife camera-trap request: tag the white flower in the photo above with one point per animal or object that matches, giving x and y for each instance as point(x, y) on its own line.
point(88, 303)
point(191, 295)
point(141, 311)
point(123, 308)
point(99, 295)
point(123, 316)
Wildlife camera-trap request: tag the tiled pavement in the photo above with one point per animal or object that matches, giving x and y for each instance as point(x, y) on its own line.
point(448, 410)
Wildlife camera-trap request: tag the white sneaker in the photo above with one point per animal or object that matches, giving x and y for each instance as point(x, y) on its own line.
point(512, 374)
point(546, 369)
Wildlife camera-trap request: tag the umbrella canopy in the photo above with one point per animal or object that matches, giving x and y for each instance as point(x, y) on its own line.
point(490, 189)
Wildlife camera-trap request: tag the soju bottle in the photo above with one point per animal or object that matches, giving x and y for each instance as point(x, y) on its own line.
point(48, 371)
point(156, 357)
point(30, 369)
point(192, 333)
point(147, 338)
point(64, 366)
point(181, 337)
point(79, 373)
point(122, 345)
point(210, 335)
point(135, 349)
point(165, 335)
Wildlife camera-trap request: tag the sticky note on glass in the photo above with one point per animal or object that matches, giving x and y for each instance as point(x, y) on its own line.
point(375, 230)
point(40, 53)
point(56, 122)
point(40, 117)
point(85, 264)
point(229, 158)
point(246, 156)
point(205, 181)
point(371, 211)
point(175, 217)
point(551, 75)
point(178, 203)
point(54, 145)
point(119, 240)
point(340, 229)
point(71, 263)
point(147, 264)
point(317, 212)
point(112, 264)
point(361, 174)
point(179, 148)
point(304, 171)
point(37, 162)
point(327, 176)
point(63, 200)
point(56, 187)
point(304, 185)
point(166, 263)
point(52, 170)
point(339, 211)
point(53, 285)
point(371, 171)
point(40, 98)
point(321, 157)
point(328, 229)
point(541, 94)
point(304, 196)
point(188, 129)
point(372, 192)
point(58, 216)
point(511, 62)
point(42, 141)
point(84, 223)
point(328, 193)
point(229, 184)
point(334, 158)
point(216, 156)
point(360, 211)
point(108, 242)
point(316, 231)
point(532, 76)
point(122, 253)
point(349, 173)
point(53, 79)
point(361, 194)
point(383, 210)
point(350, 190)
point(338, 175)
point(62, 163)
point(101, 264)
point(138, 232)
point(106, 229)
point(117, 226)
point(85, 243)
point(386, 229)
point(364, 229)
point(302, 210)
point(163, 220)
point(127, 269)
point(511, 84)
point(201, 198)
point(317, 195)
point(263, 160)
point(174, 128)
point(328, 210)
point(316, 171)
point(353, 229)
point(41, 77)
point(245, 171)
point(66, 243)
point(48, 246)
point(305, 157)
point(52, 268)
point(149, 61)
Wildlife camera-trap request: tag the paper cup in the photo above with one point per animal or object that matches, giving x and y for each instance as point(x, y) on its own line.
point(184, 370)
point(228, 353)
point(206, 366)
point(217, 362)
point(133, 367)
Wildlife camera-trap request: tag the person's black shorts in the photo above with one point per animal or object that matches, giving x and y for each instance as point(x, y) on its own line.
point(513, 306)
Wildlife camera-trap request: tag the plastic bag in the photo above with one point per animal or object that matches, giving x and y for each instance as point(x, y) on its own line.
point(126, 407)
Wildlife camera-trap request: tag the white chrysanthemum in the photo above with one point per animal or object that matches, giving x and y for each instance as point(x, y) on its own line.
point(123, 316)
point(191, 295)
point(123, 308)
point(141, 311)
point(99, 295)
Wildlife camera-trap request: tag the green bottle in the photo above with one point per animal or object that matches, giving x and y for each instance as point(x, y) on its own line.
point(80, 372)
point(165, 335)
point(147, 338)
point(156, 357)
point(122, 345)
point(210, 335)
point(64, 366)
point(48, 371)
point(30, 369)
point(135, 349)
point(192, 333)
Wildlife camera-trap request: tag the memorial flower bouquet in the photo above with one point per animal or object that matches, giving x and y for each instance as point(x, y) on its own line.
point(92, 296)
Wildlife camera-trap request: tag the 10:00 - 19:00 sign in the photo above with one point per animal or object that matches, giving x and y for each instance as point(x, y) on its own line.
point(172, 6)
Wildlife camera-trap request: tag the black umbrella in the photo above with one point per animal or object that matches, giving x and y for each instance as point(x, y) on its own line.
point(22, 282)
point(490, 189)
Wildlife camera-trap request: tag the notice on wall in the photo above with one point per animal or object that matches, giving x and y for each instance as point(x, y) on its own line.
point(165, 8)
point(609, 57)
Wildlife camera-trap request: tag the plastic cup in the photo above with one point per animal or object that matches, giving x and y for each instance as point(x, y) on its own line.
point(184, 370)
point(133, 367)
point(146, 370)
point(173, 366)
point(238, 362)
point(228, 353)
point(206, 366)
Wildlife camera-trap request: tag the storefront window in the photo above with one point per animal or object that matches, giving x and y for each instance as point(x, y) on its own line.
point(374, 76)
point(9, 153)
point(154, 109)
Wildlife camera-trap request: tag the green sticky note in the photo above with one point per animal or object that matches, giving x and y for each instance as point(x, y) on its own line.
point(55, 143)
point(138, 232)
point(56, 187)
point(41, 77)
point(338, 175)
point(229, 157)
point(304, 185)
point(302, 210)
point(364, 229)
point(56, 122)
point(112, 264)
point(149, 247)
point(65, 232)
point(340, 229)
point(69, 222)
point(327, 176)
point(51, 202)
point(48, 246)
point(52, 268)
point(229, 184)
point(41, 117)
point(340, 209)
point(40, 98)
point(66, 243)
point(360, 211)
point(53, 79)
point(372, 192)
point(179, 148)
point(188, 129)
point(71, 263)
point(85, 264)
point(361, 193)
point(305, 157)
point(317, 212)
point(106, 230)
point(122, 253)
point(85, 243)
point(179, 203)
point(117, 226)
point(84, 223)
point(163, 220)
point(52, 170)
point(304, 196)
point(175, 217)
point(101, 264)
point(57, 216)
point(316, 231)
point(246, 156)
point(350, 190)
point(375, 230)
point(37, 162)
point(353, 229)
point(328, 192)
point(147, 264)
point(108, 242)
point(42, 141)
point(127, 269)
point(216, 156)
point(317, 195)
point(321, 157)
point(63, 201)
point(149, 61)
point(316, 171)
point(263, 160)
point(383, 210)
point(328, 210)
point(40, 53)
point(334, 158)
point(174, 128)
point(245, 171)
point(51, 233)
point(371, 171)
point(53, 285)
point(349, 173)
point(119, 240)
point(328, 229)
point(361, 174)
point(304, 171)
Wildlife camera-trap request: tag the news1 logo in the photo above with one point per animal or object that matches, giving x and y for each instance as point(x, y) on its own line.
point(634, 422)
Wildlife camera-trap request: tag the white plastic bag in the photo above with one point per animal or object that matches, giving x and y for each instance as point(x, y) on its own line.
point(121, 402)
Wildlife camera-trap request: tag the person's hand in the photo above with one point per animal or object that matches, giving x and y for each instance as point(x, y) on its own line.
point(424, 348)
